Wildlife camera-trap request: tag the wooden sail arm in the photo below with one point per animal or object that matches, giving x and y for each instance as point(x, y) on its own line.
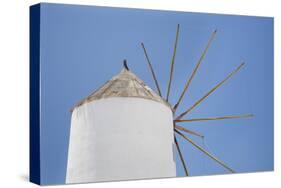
point(151, 70)
point(215, 118)
point(172, 63)
point(181, 156)
point(210, 92)
point(188, 131)
point(195, 70)
point(205, 152)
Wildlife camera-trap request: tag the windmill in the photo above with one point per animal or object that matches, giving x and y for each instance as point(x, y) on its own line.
point(183, 131)
point(115, 135)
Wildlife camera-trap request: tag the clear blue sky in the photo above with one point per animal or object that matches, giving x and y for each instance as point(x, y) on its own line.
point(83, 46)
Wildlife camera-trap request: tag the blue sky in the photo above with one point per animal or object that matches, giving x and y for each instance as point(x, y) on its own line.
point(83, 46)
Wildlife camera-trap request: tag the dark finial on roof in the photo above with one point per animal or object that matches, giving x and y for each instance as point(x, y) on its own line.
point(125, 64)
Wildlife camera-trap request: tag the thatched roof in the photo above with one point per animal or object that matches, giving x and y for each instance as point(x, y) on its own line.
point(124, 84)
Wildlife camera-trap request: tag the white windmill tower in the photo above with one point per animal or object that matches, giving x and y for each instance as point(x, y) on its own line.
point(125, 130)
point(115, 133)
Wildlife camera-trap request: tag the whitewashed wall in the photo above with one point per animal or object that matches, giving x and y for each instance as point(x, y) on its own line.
point(120, 139)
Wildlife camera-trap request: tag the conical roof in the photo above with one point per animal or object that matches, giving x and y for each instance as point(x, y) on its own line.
point(124, 84)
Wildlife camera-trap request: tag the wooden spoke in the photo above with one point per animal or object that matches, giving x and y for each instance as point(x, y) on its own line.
point(195, 70)
point(172, 64)
point(210, 92)
point(205, 152)
point(151, 70)
point(188, 131)
point(216, 118)
point(181, 156)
